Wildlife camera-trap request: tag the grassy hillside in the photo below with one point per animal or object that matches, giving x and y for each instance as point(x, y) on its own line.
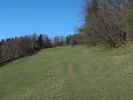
point(70, 73)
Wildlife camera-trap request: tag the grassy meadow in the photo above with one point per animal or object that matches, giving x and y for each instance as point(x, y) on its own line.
point(70, 73)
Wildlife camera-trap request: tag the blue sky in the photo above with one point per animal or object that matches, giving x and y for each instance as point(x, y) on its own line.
point(52, 17)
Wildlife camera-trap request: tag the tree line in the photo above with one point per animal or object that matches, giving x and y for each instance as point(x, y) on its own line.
point(107, 22)
point(13, 48)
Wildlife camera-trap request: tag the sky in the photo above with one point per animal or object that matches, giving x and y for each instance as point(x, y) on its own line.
point(52, 17)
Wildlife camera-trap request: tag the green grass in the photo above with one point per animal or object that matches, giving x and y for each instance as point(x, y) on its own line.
point(70, 73)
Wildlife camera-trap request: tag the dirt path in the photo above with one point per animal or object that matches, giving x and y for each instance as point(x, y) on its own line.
point(71, 72)
point(87, 68)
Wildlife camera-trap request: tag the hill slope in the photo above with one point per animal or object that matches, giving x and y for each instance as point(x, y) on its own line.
point(70, 73)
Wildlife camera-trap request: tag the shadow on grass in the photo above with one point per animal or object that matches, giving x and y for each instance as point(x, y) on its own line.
point(3, 63)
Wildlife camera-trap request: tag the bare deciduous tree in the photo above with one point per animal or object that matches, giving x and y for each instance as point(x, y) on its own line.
point(102, 22)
